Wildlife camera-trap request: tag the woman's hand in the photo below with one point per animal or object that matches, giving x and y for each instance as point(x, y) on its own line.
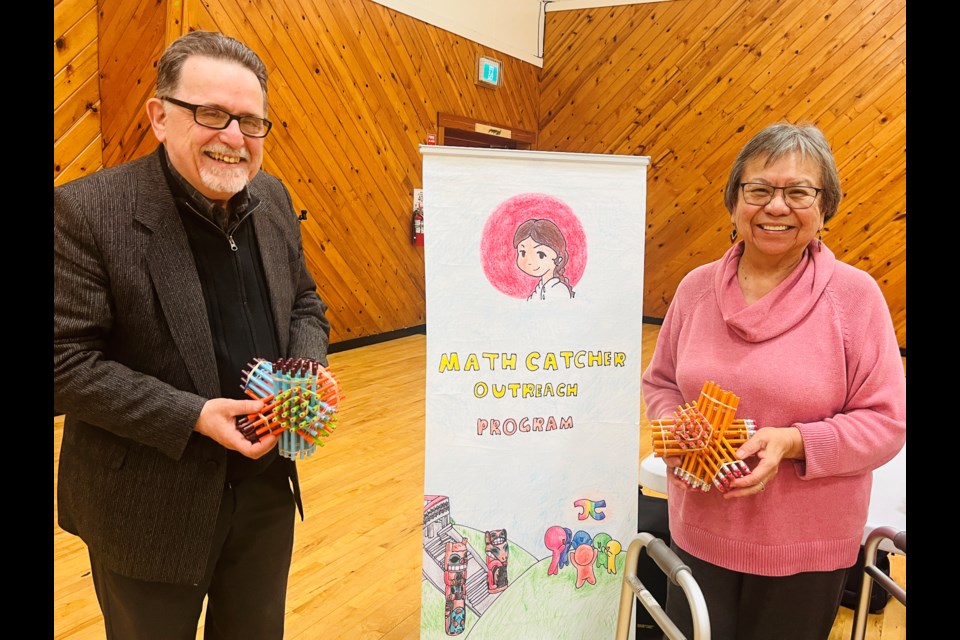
point(672, 463)
point(769, 445)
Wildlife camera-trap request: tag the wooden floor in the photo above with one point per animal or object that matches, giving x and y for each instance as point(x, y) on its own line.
point(356, 571)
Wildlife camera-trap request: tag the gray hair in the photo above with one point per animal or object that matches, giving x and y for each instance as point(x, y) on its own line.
point(211, 45)
point(778, 140)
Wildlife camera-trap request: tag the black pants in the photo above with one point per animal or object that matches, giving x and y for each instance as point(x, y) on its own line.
point(245, 582)
point(743, 606)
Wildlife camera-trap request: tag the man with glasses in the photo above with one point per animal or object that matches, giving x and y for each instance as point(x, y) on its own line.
point(172, 273)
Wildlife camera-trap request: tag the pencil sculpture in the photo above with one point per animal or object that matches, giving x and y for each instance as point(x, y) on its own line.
point(301, 397)
point(706, 436)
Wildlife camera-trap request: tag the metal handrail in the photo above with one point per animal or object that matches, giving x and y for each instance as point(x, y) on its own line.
point(871, 572)
point(678, 573)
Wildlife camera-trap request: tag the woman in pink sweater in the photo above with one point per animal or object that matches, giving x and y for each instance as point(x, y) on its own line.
point(807, 343)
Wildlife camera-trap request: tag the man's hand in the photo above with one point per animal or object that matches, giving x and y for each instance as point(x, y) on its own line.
point(217, 421)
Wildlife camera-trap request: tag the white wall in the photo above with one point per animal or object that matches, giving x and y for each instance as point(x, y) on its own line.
point(508, 26)
point(513, 27)
point(562, 5)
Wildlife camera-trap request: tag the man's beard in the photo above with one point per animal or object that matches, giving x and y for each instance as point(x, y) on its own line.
point(224, 178)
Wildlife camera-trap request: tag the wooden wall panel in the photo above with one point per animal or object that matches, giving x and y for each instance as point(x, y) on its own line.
point(354, 89)
point(132, 36)
point(687, 84)
point(76, 91)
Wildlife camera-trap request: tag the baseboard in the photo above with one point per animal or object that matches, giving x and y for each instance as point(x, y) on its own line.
point(353, 343)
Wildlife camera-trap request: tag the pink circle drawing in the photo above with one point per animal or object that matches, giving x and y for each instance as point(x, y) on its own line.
point(499, 255)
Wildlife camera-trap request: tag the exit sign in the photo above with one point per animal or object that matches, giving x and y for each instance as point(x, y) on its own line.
point(488, 71)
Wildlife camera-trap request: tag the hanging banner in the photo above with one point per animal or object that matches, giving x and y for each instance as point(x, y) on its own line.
point(534, 275)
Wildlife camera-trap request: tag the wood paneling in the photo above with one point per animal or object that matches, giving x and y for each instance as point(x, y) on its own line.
point(132, 36)
point(687, 84)
point(354, 89)
point(76, 91)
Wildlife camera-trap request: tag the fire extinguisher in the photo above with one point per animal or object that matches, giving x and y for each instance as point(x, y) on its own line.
point(418, 226)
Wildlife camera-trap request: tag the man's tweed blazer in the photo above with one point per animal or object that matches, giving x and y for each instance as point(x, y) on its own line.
point(134, 363)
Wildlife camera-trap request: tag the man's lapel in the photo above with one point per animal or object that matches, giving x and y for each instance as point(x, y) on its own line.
point(175, 279)
point(275, 257)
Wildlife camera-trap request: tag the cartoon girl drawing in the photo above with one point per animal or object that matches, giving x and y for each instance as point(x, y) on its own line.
point(542, 253)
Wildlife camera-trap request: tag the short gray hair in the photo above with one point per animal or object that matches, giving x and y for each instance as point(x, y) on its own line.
point(211, 45)
point(778, 140)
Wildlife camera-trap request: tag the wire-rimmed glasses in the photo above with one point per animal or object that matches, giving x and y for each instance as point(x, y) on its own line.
point(795, 197)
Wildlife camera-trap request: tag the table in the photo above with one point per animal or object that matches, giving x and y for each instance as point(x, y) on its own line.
point(888, 497)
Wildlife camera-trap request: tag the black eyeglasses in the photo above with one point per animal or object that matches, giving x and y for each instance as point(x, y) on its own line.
point(759, 194)
point(214, 118)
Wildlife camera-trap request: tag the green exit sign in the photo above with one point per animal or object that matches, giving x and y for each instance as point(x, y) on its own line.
point(488, 71)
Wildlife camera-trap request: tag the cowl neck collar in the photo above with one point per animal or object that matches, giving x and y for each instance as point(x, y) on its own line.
point(783, 307)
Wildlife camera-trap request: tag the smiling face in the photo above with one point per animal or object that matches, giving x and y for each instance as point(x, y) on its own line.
point(536, 259)
point(218, 164)
point(774, 232)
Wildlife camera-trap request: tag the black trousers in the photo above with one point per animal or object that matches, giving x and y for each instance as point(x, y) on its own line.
point(743, 606)
point(245, 583)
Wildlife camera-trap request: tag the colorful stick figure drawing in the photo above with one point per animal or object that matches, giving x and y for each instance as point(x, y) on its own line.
point(583, 558)
point(557, 540)
point(534, 248)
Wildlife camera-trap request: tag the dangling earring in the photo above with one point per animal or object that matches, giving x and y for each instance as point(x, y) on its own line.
point(733, 235)
point(819, 239)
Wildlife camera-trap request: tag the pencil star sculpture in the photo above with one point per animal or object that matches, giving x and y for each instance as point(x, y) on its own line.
point(301, 396)
point(706, 436)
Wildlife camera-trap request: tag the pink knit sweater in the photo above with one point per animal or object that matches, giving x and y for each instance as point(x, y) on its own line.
point(820, 353)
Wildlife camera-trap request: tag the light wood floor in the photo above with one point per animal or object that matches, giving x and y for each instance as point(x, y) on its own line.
point(356, 571)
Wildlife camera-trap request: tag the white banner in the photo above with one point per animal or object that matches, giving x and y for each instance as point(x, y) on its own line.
point(534, 275)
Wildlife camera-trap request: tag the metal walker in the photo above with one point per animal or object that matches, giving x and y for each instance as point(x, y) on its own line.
point(871, 572)
point(678, 573)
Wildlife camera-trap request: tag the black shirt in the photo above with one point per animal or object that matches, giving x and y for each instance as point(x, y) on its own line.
point(227, 257)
